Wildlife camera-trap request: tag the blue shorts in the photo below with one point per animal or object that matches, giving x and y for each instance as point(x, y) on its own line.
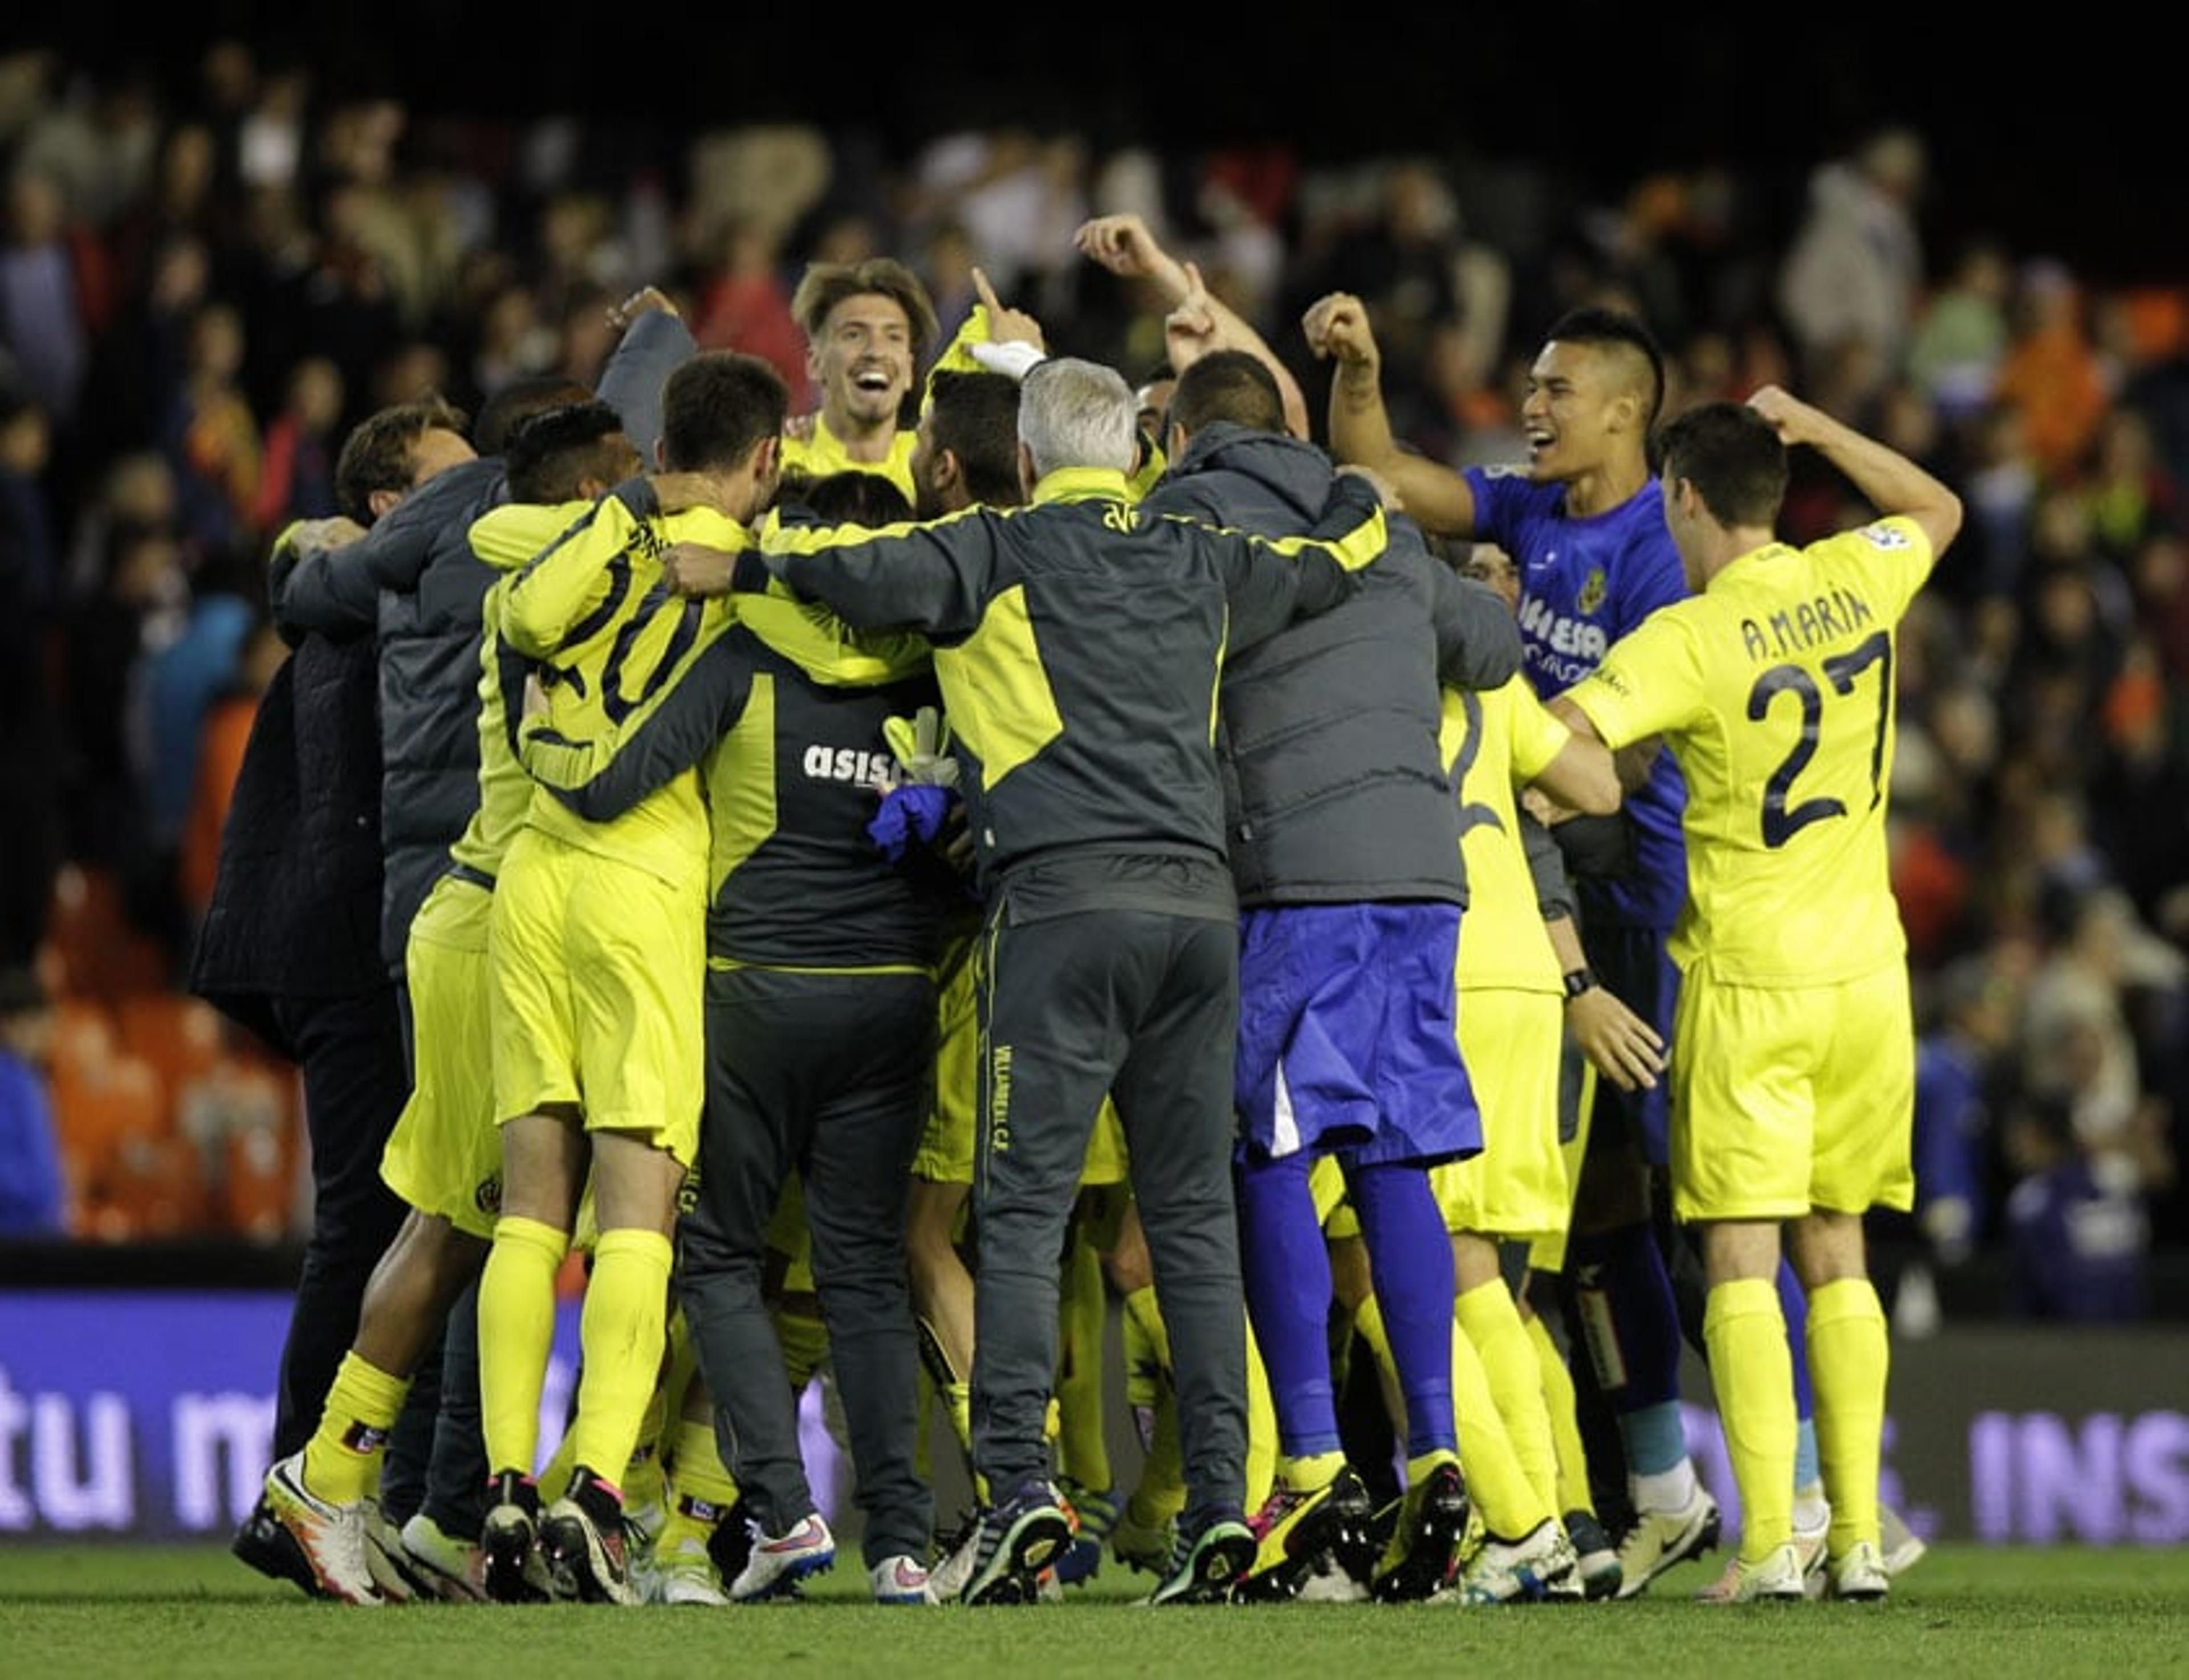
point(1346, 1039)
point(1632, 965)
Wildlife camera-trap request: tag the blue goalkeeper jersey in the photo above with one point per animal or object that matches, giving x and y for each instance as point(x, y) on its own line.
point(1585, 583)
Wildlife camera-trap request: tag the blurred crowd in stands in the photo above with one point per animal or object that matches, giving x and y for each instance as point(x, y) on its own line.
point(203, 286)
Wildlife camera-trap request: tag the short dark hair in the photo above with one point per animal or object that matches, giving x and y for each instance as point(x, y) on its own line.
point(517, 401)
point(1733, 456)
point(376, 455)
point(1232, 385)
point(826, 284)
point(1614, 329)
point(716, 407)
point(550, 453)
point(849, 496)
point(975, 416)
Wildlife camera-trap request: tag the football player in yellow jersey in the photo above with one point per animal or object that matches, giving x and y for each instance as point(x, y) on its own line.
point(1511, 1025)
point(868, 327)
point(443, 1158)
point(1520, 975)
point(1793, 1051)
point(598, 947)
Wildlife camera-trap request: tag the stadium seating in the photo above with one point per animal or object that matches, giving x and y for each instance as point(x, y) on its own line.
point(93, 949)
point(172, 1121)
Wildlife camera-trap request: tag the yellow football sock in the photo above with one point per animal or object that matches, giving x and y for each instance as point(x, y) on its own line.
point(923, 1450)
point(342, 1459)
point(1488, 1317)
point(1511, 1503)
point(805, 1342)
point(621, 1336)
point(1160, 1493)
point(645, 1476)
point(687, 1527)
point(1495, 1480)
point(697, 1490)
point(642, 1480)
point(959, 1397)
point(680, 1368)
point(1561, 1405)
point(516, 1334)
point(1147, 1323)
point(696, 1470)
point(1082, 1452)
point(940, 1380)
point(1368, 1328)
point(1752, 1369)
point(1849, 1357)
point(1261, 1427)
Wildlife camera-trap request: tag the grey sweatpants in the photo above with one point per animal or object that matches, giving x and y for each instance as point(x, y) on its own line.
point(825, 1075)
point(1144, 1006)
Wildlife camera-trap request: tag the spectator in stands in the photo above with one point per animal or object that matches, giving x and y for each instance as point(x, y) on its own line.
point(2080, 1235)
point(42, 330)
point(219, 759)
point(1959, 1062)
point(34, 1199)
point(212, 434)
point(30, 766)
point(1960, 336)
point(1855, 269)
point(2052, 374)
point(296, 480)
point(106, 647)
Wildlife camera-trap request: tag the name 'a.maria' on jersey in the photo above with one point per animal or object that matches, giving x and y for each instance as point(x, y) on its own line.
point(1829, 617)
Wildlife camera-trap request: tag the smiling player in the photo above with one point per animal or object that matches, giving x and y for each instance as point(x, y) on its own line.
point(868, 325)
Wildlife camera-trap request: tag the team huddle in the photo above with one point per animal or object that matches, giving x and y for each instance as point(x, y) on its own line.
point(1008, 841)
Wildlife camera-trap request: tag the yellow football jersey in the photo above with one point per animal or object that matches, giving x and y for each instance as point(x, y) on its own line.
point(505, 791)
point(824, 454)
point(1774, 689)
point(1491, 742)
point(609, 639)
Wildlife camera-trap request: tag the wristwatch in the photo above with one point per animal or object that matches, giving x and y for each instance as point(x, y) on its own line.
point(1578, 981)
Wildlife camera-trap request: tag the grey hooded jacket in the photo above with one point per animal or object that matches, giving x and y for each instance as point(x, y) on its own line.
point(1334, 788)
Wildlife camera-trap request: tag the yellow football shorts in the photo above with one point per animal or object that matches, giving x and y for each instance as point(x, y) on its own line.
point(1786, 1098)
point(444, 1155)
point(1517, 1187)
point(599, 969)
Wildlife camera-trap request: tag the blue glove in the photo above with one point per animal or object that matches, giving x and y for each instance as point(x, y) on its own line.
point(910, 811)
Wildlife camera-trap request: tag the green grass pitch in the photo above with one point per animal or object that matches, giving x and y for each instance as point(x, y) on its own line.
point(1963, 1610)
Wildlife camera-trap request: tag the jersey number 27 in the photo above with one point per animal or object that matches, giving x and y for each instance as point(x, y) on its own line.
point(1782, 819)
